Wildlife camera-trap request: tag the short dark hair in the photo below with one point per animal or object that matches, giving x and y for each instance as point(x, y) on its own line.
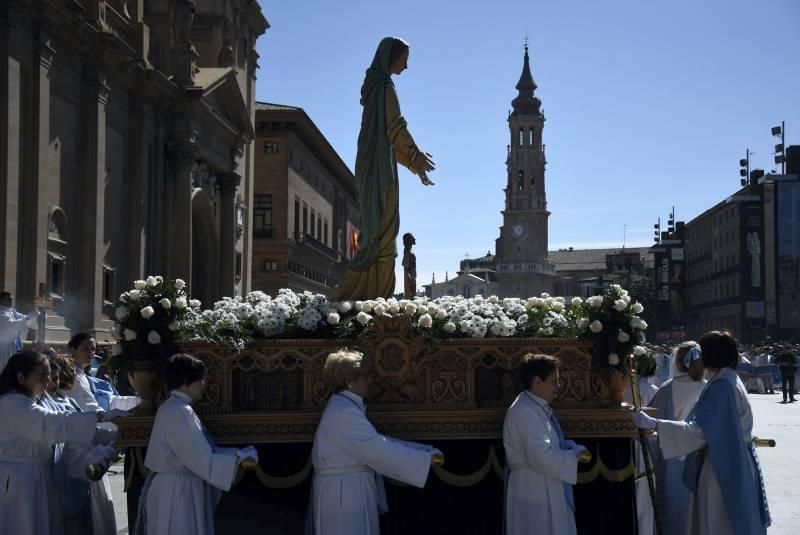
point(24, 362)
point(719, 350)
point(399, 46)
point(533, 365)
point(646, 365)
point(78, 339)
point(183, 369)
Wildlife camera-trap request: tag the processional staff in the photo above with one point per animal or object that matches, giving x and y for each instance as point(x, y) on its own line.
point(648, 461)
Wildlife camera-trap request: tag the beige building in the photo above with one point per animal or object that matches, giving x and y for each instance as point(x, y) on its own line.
point(127, 150)
point(305, 204)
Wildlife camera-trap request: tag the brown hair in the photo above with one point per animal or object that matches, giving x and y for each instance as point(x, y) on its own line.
point(66, 374)
point(534, 365)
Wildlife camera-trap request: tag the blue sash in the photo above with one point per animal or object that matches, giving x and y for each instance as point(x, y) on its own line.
point(745, 499)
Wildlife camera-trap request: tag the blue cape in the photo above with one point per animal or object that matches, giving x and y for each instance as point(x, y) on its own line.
point(733, 460)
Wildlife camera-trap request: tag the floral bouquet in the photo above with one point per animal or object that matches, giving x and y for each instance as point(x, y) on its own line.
point(612, 323)
point(149, 319)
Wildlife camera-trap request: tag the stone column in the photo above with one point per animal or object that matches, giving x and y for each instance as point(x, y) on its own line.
point(89, 238)
point(184, 156)
point(9, 153)
point(32, 247)
point(227, 184)
point(134, 195)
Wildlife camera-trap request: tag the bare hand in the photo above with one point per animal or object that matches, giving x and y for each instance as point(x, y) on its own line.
point(423, 177)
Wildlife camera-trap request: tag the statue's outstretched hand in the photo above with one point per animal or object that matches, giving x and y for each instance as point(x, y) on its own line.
point(423, 177)
point(424, 162)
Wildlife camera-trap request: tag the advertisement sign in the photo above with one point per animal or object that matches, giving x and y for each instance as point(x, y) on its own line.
point(662, 285)
point(752, 265)
point(788, 237)
point(677, 276)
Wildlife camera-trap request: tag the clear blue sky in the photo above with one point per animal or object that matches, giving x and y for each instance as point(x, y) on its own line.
point(648, 104)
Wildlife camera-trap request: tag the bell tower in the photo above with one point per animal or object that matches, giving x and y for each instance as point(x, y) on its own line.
point(522, 266)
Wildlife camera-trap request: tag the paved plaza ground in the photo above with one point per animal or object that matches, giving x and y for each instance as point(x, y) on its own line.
point(781, 464)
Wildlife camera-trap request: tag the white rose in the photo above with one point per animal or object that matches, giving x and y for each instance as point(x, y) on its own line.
point(129, 335)
point(425, 321)
point(139, 284)
point(596, 326)
point(441, 314)
point(173, 326)
point(151, 281)
point(344, 306)
point(153, 337)
point(613, 359)
point(121, 313)
point(558, 306)
point(180, 284)
point(194, 303)
point(147, 312)
point(493, 299)
point(639, 351)
point(394, 308)
point(410, 309)
point(333, 318)
point(623, 337)
point(637, 308)
point(116, 349)
point(583, 323)
point(449, 327)
point(180, 303)
point(577, 301)
point(363, 318)
point(379, 309)
point(134, 295)
point(620, 305)
point(165, 304)
point(359, 305)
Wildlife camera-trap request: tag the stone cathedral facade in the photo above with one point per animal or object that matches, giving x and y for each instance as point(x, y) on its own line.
point(127, 130)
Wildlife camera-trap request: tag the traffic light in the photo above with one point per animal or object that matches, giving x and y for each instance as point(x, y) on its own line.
point(671, 221)
point(744, 169)
point(755, 175)
point(657, 231)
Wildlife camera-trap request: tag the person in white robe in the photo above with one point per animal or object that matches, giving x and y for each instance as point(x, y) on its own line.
point(187, 473)
point(674, 400)
point(12, 327)
point(543, 465)
point(646, 366)
point(29, 503)
point(722, 472)
point(82, 348)
point(350, 457)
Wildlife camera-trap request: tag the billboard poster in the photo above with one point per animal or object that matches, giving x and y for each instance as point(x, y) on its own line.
point(788, 252)
point(752, 265)
point(663, 310)
point(677, 306)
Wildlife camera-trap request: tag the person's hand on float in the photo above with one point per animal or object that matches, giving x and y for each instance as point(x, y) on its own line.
point(643, 421)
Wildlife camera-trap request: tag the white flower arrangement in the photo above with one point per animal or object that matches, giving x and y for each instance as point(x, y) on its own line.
point(150, 317)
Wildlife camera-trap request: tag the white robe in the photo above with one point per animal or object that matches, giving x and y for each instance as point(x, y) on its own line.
point(12, 325)
point(535, 501)
point(29, 501)
point(706, 514)
point(104, 520)
point(347, 453)
point(185, 464)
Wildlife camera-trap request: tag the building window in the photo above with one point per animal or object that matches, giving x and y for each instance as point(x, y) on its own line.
point(531, 137)
point(296, 228)
point(313, 218)
point(270, 265)
point(262, 216)
point(520, 181)
point(57, 265)
point(521, 137)
point(238, 268)
point(319, 228)
point(533, 180)
point(325, 233)
point(108, 285)
point(271, 147)
point(305, 218)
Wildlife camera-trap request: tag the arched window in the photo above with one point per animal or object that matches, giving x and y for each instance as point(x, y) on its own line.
point(531, 137)
point(467, 292)
point(520, 181)
point(533, 179)
point(521, 136)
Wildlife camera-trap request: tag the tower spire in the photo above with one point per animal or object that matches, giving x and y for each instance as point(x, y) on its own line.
point(526, 102)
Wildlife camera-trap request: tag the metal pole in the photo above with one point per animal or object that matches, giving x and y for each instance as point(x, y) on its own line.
point(783, 145)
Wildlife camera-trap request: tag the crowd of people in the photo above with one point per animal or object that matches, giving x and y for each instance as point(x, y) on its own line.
point(55, 423)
